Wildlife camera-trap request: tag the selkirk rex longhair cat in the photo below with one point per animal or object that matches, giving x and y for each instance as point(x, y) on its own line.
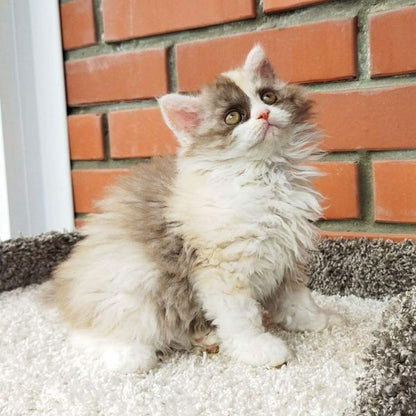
point(190, 250)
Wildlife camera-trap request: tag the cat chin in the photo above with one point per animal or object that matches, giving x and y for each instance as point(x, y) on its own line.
point(266, 131)
point(267, 142)
point(271, 132)
point(251, 138)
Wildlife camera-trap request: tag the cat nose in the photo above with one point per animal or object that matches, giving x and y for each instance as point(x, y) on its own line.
point(264, 115)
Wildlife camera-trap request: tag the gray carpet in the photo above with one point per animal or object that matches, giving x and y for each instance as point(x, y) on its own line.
point(369, 269)
point(389, 387)
point(24, 261)
point(362, 267)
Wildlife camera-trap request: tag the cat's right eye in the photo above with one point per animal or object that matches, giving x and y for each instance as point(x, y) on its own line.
point(233, 117)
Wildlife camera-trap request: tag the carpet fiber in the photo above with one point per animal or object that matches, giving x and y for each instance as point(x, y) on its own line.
point(365, 367)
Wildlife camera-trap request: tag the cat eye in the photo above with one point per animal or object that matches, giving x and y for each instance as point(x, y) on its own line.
point(268, 97)
point(233, 117)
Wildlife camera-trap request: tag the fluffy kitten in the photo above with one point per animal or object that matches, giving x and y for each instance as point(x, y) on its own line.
point(191, 249)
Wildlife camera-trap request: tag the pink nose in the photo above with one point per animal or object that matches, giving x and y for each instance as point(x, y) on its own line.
point(264, 115)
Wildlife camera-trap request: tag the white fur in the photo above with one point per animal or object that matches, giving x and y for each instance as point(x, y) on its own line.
point(125, 357)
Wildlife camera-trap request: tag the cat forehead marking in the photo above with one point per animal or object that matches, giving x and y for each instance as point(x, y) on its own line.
point(242, 80)
point(224, 91)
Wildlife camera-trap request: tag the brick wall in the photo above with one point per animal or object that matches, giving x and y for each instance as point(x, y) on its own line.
point(358, 58)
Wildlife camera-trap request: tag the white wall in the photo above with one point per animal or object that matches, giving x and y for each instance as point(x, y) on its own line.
point(35, 168)
point(4, 200)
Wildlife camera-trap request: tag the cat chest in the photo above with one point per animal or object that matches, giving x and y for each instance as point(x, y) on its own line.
point(261, 235)
point(228, 211)
point(248, 222)
point(271, 210)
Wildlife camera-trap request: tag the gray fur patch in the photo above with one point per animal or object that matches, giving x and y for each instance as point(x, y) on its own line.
point(141, 198)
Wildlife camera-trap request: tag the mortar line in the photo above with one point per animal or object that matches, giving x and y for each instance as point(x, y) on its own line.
point(389, 5)
point(113, 106)
point(345, 156)
point(259, 8)
point(80, 215)
point(171, 69)
point(98, 20)
point(379, 82)
point(107, 164)
point(365, 189)
point(395, 154)
point(357, 226)
point(106, 137)
point(362, 49)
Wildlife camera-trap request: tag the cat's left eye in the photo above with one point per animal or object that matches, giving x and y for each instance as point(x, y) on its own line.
point(269, 97)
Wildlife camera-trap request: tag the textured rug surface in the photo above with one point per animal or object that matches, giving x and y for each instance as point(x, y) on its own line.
point(363, 268)
point(24, 261)
point(388, 385)
point(365, 367)
point(42, 374)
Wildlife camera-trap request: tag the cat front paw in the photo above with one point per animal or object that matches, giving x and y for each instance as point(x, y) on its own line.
point(207, 341)
point(261, 350)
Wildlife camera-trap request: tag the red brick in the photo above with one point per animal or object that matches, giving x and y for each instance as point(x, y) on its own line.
point(299, 53)
point(395, 190)
point(77, 24)
point(350, 235)
point(89, 186)
point(140, 133)
point(126, 19)
point(86, 137)
point(370, 119)
point(340, 188)
point(270, 6)
point(393, 42)
point(122, 76)
point(79, 223)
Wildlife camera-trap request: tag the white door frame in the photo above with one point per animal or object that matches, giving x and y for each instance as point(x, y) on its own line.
point(35, 175)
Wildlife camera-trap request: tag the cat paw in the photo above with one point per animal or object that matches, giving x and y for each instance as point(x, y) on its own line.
point(316, 321)
point(207, 341)
point(261, 350)
point(325, 319)
point(129, 358)
point(334, 319)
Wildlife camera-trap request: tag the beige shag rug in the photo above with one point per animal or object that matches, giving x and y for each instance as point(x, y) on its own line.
point(41, 373)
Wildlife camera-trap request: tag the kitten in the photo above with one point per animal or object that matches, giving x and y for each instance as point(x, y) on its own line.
point(191, 249)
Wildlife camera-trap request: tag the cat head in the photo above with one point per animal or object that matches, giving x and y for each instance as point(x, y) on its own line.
point(247, 111)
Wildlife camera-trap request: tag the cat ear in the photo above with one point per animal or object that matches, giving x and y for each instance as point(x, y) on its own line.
point(258, 64)
point(182, 113)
